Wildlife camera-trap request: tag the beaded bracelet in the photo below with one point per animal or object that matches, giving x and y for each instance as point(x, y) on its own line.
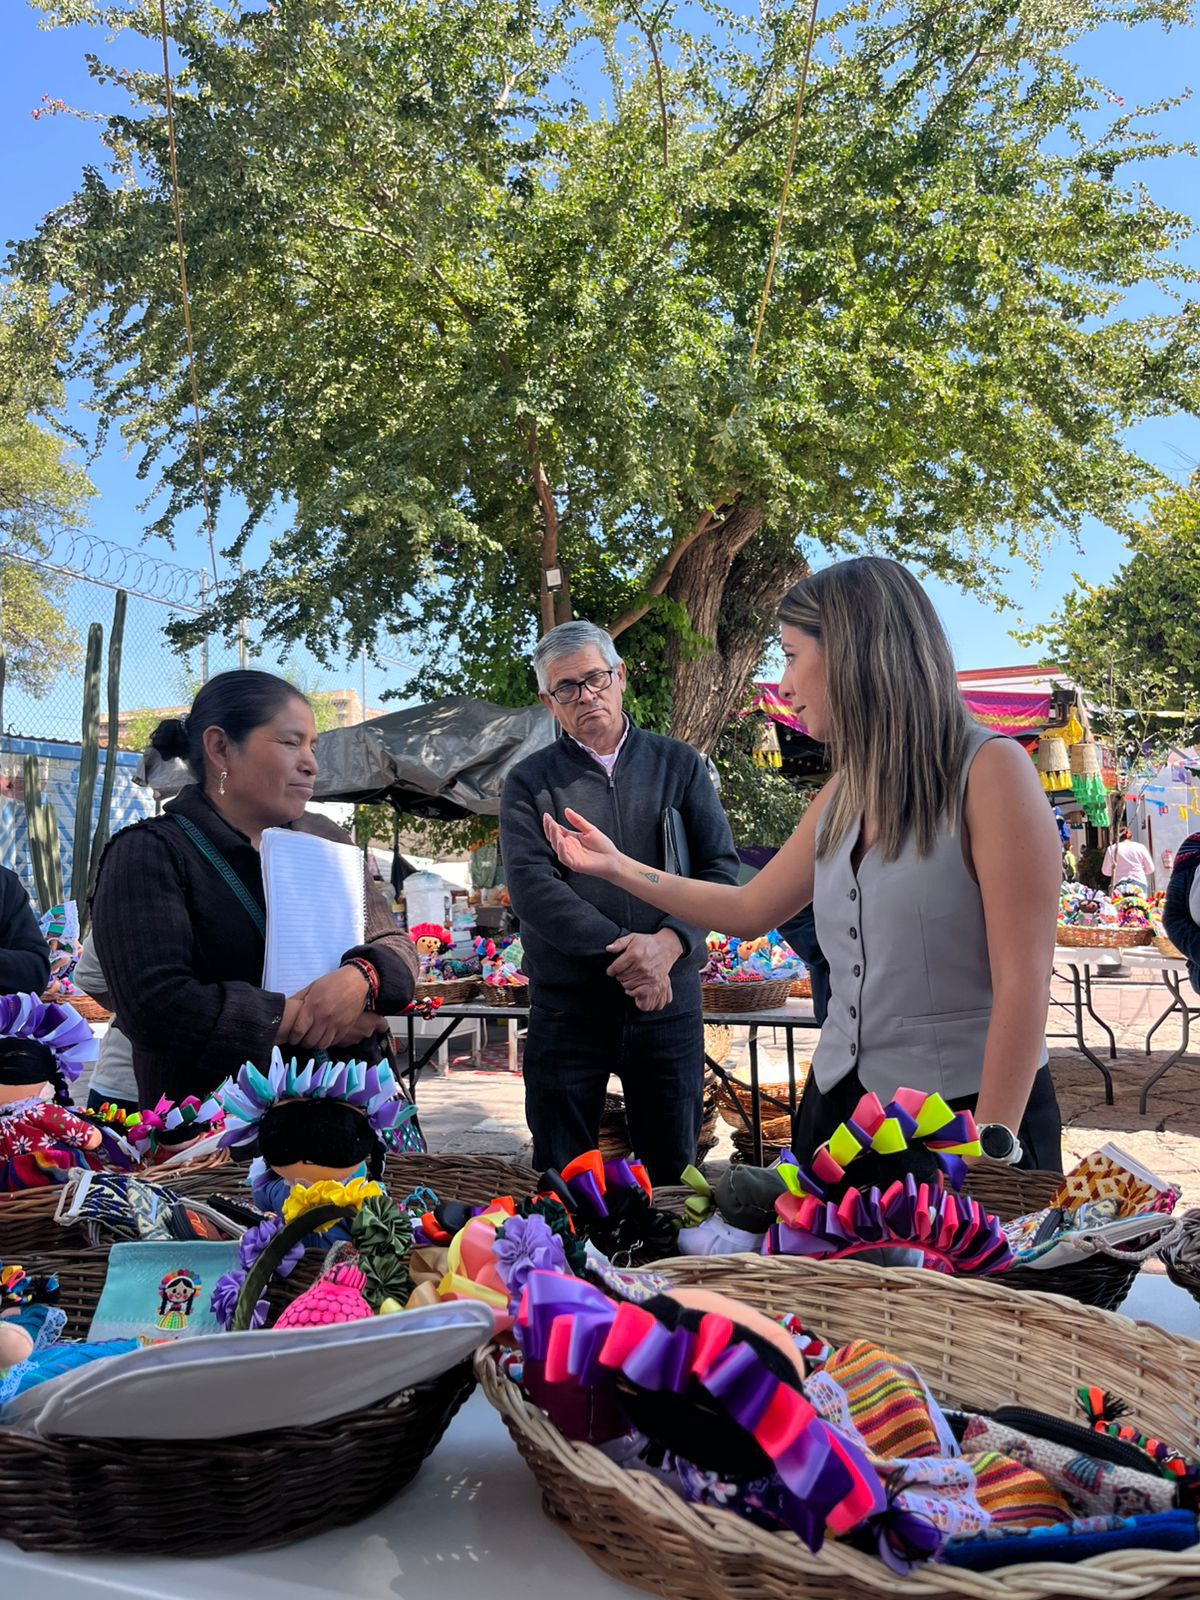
point(372, 977)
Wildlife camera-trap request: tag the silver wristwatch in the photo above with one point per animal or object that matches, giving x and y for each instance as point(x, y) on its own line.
point(999, 1143)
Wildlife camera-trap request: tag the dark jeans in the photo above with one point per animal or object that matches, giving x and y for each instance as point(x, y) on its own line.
point(660, 1062)
point(1040, 1133)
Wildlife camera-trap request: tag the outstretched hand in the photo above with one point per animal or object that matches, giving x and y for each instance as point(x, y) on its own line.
point(581, 847)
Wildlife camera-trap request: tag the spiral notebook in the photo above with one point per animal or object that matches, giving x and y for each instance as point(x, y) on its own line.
point(316, 906)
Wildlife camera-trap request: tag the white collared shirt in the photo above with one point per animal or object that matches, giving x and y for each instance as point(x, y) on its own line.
point(607, 762)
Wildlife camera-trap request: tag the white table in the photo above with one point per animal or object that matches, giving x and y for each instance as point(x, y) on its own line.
point(1078, 962)
point(470, 1528)
point(1173, 972)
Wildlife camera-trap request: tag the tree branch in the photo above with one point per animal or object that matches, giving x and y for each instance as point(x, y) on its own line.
point(406, 252)
point(666, 569)
point(554, 607)
point(648, 30)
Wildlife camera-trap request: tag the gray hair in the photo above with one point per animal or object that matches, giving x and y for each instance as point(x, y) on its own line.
point(567, 640)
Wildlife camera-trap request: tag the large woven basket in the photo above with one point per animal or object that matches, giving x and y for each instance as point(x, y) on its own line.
point(164, 1497)
point(1101, 938)
point(735, 1103)
point(169, 1496)
point(476, 1179)
point(975, 1344)
point(615, 1140)
point(801, 988)
point(763, 996)
point(450, 991)
point(1165, 947)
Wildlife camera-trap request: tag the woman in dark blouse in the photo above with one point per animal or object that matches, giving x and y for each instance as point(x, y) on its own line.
point(183, 952)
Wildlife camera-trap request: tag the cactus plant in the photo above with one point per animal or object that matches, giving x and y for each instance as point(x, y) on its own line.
point(44, 840)
point(89, 759)
point(115, 643)
point(44, 852)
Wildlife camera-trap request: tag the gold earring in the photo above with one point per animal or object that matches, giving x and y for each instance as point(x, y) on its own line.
point(221, 785)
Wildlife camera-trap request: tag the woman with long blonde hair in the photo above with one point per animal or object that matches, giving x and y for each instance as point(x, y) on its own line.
point(931, 860)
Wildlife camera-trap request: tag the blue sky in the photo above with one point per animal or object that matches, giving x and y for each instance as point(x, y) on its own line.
point(46, 157)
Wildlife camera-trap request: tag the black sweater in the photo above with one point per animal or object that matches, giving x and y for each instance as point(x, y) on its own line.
point(568, 919)
point(24, 954)
point(1177, 918)
point(184, 961)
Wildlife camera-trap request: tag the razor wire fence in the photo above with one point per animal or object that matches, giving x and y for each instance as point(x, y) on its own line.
point(52, 591)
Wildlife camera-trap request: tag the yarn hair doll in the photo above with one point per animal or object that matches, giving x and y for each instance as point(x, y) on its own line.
point(43, 1048)
point(329, 1121)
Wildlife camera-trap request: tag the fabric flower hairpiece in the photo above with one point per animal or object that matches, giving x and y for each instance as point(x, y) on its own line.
point(683, 1379)
point(373, 1091)
point(168, 1124)
point(909, 1119)
point(58, 1028)
point(825, 1216)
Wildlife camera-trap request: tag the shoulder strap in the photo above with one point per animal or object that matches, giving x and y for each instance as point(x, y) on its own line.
point(211, 854)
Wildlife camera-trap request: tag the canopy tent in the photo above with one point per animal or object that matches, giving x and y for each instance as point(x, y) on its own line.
point(1017, 715)
point(445, 760)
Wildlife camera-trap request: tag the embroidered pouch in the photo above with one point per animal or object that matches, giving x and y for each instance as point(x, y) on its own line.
point(161, 1291)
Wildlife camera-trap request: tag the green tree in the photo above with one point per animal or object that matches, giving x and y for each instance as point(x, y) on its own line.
point(41, 492)
point(464, 314)
point(1133, 644)
point(762, 805)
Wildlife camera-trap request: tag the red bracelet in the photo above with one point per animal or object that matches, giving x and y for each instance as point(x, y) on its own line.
point(372, 977)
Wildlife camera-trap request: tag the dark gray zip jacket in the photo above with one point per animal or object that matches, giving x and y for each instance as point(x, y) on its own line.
point(568, 919)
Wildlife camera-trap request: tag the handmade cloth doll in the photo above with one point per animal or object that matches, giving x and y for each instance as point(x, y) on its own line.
point(432, 940)
point(60, 929)
point(326, 1122)
point(43, 1048)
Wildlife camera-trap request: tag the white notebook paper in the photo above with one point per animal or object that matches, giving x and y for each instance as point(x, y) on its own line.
point(316, 906)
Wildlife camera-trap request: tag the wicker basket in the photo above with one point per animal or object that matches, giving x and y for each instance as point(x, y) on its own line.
point(90, 1010)
point(514, 994)
point(1101, 938)
point(450, 991)
point(763, 996)
point(27, 1216)
point(477, 1179)
point(615, 1141)
point(974, 1343)
point(1165, 948)
point(801, 988)
point(1101, 1279)
point(1182, 1257)
point(161, 1496)
point(735, 1103)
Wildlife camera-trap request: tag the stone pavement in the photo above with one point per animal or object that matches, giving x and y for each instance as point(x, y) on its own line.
point(479, 1108)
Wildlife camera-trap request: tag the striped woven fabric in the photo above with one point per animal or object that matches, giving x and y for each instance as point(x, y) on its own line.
point(887, 1401)
point(1016, 1493)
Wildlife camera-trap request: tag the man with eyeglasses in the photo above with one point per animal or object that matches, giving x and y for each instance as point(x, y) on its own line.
point(614, 984)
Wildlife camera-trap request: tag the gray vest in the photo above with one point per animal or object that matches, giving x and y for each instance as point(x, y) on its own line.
point(908, 966)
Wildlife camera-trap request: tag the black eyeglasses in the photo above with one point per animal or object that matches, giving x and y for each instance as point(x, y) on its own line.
point(568, 692)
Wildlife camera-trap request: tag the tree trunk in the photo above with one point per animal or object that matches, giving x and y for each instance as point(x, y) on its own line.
point(730, 582)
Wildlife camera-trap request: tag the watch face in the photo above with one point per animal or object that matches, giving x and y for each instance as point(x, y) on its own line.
point(996, 1141)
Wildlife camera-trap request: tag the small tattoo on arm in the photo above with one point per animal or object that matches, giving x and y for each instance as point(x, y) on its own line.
point(650, 877)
